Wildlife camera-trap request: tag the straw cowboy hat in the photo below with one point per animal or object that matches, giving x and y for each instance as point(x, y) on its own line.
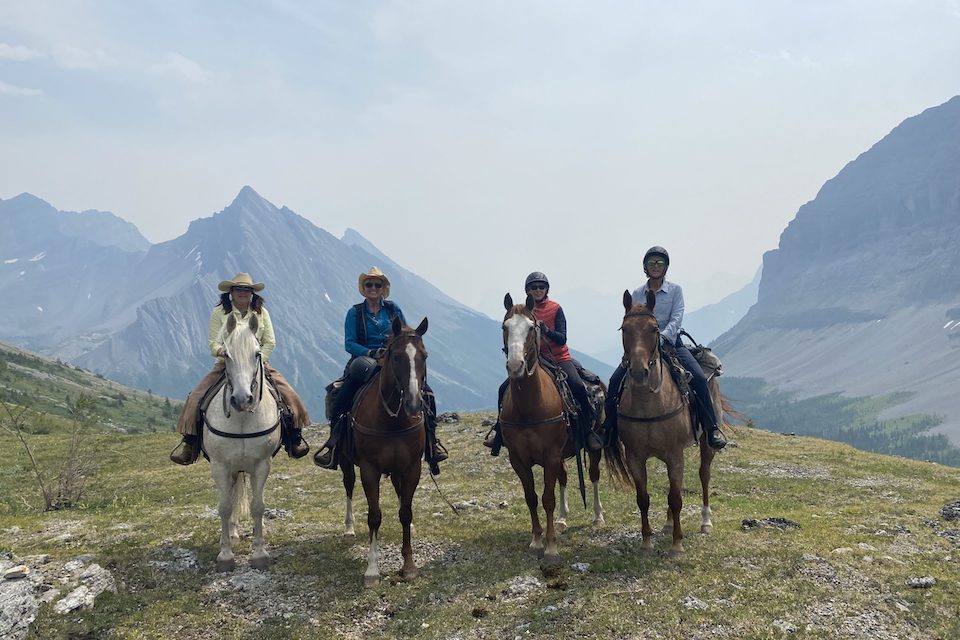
point(374, 274)
point(240, 280)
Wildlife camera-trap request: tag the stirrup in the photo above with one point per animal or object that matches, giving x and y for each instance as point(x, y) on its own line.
point(194, 450)
point(326, 457)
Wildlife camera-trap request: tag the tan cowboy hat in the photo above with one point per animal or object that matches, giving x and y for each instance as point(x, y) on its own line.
point(240, 280)
point(374, 273)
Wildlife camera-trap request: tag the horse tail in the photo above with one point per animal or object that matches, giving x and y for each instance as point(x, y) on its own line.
point(727, 409)
point(241, 497)
point(613, 455)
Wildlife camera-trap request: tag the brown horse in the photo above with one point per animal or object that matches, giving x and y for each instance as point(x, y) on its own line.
point(655, 421)
point(535, 429)
point(387, 438)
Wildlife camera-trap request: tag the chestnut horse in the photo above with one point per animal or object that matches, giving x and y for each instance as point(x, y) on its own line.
point(655, 421)
point(387, 438)
point(535, 430)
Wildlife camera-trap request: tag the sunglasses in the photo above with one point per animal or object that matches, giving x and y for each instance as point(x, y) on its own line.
point(537, 287)
point(373, 285)
point(656, 263)
point(243, 289)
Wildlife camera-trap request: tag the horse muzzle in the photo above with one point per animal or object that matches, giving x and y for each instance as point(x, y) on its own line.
point(242, 403)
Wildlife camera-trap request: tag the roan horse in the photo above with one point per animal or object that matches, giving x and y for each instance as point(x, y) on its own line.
point(655, 421)
point(241, 433)
point(534, 426)
point(387, 438)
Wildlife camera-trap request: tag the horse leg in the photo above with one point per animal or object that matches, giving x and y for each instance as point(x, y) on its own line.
point(675, 500)
point(638, 469)
point(706, 458)
point(224, 481)
point(405, 486)
point(595, 483)
point(370, 478)
point(561, 522)
point(525, 474)
point(551, 554)
point(259, 559)
point(349, 481)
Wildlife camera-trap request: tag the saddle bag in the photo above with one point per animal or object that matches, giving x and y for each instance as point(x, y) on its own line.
point(704, 356)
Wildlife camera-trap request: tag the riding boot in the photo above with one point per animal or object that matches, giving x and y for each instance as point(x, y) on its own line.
point(187, 451)
point(436, 452)
point(326, 456)
point(715, 437)
point(295, 444)
point(594, 439)
point(494, 439)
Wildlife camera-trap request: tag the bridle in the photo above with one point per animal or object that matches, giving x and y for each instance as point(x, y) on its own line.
point(397, 389)
point(655, 358)
point(228, 387)
point(528, 371)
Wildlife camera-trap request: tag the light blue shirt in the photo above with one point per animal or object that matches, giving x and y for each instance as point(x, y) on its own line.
point(668, 308)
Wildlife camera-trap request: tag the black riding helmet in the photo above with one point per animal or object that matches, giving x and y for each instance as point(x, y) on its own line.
point(656, 251)
point(536, 276)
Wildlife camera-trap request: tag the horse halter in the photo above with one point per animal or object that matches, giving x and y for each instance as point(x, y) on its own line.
point(655, 358)
point(228, 391)
point(385, 402)
point(528, 370)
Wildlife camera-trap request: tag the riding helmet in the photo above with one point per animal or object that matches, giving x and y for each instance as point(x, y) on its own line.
point(656, 251)
point(536, 276)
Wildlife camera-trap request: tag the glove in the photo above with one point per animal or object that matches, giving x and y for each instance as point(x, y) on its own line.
point(376, 354)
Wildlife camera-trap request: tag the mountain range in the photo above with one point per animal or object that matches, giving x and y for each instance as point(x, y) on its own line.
point(101, 296)
point(861, 295)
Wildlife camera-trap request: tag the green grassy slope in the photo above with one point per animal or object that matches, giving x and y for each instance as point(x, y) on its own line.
point(50, 386)
point(867, 523)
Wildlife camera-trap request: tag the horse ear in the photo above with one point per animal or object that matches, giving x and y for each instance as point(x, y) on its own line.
point(397, 325)
point(508, 301)
point(651, 300)
point(530, 302)
point(231, 324)
point(627, 300)
point(422, 329)
point(254, 323)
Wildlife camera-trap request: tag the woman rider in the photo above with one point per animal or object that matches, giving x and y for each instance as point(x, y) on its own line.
point(366, 329)
point(669, 313)
point(553, 330)
point(238, 298)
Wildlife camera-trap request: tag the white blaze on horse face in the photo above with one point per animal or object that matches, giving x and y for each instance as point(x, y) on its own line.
point(242, 347)
point(518, 327)
point(411, 352)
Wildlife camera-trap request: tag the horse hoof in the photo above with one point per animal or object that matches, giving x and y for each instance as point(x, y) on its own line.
point(262, 563)
point(551, 562)
point(675, 553)
point(560, 526)
point(226, 565)
point(371, 581)
point(536, 552)
point(410, 574)
point(599, 521)
point(706, 528)
point(350, 535)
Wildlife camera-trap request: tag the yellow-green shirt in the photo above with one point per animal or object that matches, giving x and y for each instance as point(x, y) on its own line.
point(264, 331)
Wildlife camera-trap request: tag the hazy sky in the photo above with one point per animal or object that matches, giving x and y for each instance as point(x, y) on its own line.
point(472, 141)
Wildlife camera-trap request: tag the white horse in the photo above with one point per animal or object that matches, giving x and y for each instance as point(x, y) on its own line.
point(241, 432)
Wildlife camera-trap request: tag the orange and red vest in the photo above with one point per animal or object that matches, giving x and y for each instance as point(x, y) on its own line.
point(546, 312)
